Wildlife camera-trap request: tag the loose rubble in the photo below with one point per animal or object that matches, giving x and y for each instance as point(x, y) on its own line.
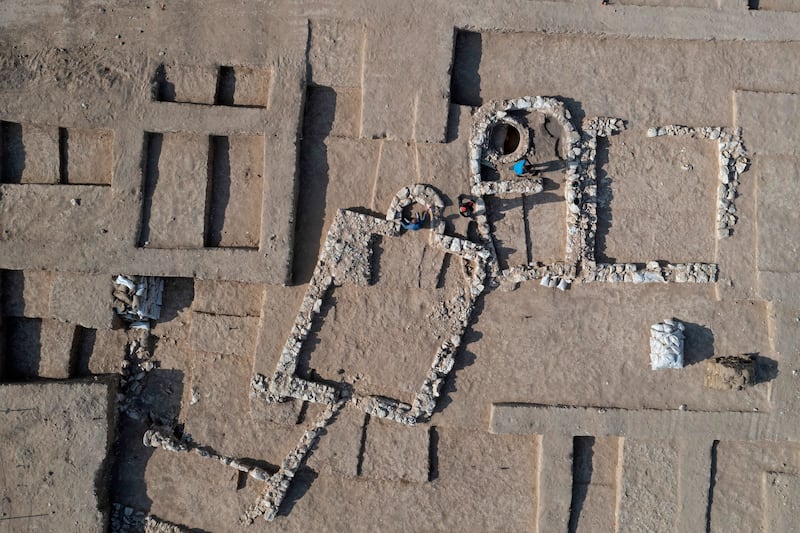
point(730, 372)
point(653, 272)
point(137, 299)
point(666, 344)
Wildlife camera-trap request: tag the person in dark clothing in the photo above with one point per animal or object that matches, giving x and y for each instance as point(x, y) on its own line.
point(466, 208)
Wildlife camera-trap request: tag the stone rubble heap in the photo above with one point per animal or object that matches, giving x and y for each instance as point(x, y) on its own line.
point(283, 386)
point(581, 196)
point(481, 217)
point(733, 162)
point(164, 438)
point(135, 367)
point(557, 275)
point(156, 525)
point(518, 186)
point(278, 484)
point(383, 407)
point(666, 344)
point(730, 372)
point(603, 126)
point(126, 519)
point(137, 299)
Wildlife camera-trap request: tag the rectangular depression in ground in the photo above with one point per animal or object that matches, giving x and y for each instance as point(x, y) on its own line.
point(202, 191)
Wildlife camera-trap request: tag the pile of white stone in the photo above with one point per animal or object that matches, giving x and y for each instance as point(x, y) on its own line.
point(733, 161)
point(692, 273)
point(137, 299)
point(603, 126)
point(156, 525)
point(519, 186)
point(666, 344)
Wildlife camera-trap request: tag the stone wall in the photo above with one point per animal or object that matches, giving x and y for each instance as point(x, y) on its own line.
point(581, 196)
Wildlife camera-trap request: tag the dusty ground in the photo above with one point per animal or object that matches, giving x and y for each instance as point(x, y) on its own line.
point(212, 143)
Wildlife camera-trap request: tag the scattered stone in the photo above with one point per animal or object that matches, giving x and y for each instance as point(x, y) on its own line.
point(730, 372)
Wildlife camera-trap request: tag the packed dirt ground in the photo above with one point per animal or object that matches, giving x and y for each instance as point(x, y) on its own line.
point(213, 146)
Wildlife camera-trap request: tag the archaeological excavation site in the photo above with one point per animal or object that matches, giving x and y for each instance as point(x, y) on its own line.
point(400, 266)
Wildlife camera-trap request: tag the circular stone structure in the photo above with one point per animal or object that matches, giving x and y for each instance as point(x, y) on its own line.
point(483, 141)
point(508, 140)
point(421, 194)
